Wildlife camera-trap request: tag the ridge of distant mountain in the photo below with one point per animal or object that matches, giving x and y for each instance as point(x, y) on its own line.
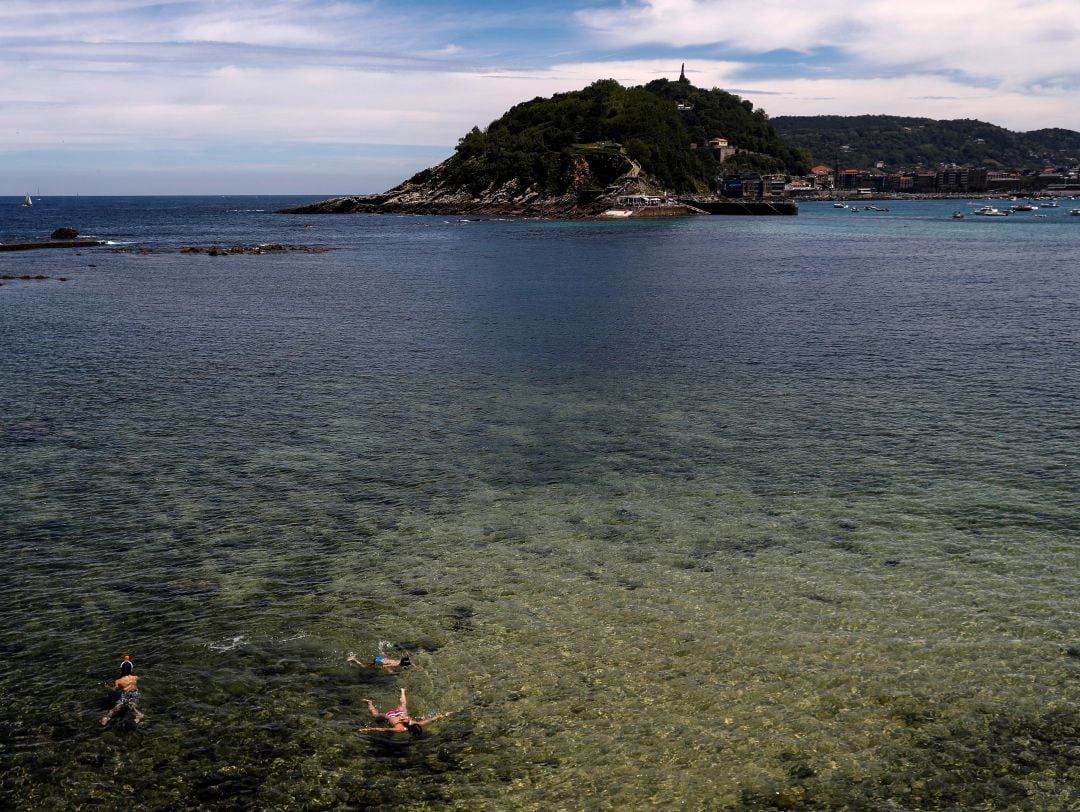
point(574, 152)
point(899, 141)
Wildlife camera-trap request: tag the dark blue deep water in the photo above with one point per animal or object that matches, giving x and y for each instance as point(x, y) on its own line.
point(713, 513)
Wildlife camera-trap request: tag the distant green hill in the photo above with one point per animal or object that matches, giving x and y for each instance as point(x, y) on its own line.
point(596, 135)
point(862, 141)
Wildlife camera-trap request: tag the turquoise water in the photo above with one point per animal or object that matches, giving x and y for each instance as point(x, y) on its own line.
point(721, 513)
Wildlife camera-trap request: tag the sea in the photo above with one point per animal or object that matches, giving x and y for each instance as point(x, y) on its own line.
point(710, 513)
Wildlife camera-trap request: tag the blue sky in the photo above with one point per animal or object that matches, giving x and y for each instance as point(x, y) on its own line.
point(350, 96)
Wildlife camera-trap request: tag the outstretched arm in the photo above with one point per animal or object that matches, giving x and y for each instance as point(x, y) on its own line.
point(375, 729)
point(434, 718)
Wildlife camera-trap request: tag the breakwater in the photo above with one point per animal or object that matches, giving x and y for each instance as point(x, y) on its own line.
point(736, 206)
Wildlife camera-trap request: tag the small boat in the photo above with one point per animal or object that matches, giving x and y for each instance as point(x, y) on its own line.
point(990, 211)
point(1024, 207)
point(958, 215)
point(1050, 205)
point(27, 201)
point(1074, 212)
point(839, 205)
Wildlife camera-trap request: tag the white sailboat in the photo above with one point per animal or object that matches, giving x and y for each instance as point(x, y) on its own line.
point(27, 201)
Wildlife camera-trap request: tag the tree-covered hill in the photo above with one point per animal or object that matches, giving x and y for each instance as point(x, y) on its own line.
point(900, 142)
point(543, 142)
point(570, 154)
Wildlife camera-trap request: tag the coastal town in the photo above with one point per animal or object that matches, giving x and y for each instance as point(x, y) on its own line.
point(941, 181)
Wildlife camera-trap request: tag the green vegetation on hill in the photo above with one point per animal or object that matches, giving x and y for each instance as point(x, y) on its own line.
point(862, 141)
point(716, 112)
point(586, 139)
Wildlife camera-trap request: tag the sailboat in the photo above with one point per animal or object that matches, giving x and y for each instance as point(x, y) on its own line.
point(27, 201)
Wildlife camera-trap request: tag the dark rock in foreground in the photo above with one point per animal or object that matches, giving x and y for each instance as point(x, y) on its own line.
point(65, 233)
point(231, 250)
point(268, 248)
point(27, 278)
point(27, 246)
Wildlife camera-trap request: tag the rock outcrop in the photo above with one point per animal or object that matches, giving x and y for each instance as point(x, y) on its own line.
point(228, 250)
point(431, 192)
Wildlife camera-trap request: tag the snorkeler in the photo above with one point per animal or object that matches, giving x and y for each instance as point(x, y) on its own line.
point(128, 685)
point(383, 661)
point(399, 719)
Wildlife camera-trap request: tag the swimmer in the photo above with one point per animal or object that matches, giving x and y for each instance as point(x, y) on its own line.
point(399, 719)
point(388, 664)
point(128, 685)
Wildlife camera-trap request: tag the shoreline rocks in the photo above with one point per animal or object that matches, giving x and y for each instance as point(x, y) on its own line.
point(430, 192)
point(230, 250)
point(28, 246)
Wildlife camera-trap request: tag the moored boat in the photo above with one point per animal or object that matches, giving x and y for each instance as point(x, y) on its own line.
point(990, 211)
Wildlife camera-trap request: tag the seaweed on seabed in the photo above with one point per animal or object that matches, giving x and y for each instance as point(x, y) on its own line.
point(223, 785)
point(423, 769)
point(986, 761)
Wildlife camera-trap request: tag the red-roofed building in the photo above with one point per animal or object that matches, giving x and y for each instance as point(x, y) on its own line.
point(721, 149)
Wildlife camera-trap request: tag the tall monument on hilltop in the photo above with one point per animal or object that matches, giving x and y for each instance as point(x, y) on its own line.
point(682, 73)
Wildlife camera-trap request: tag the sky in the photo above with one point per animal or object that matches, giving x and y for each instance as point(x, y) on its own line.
point(324, 97)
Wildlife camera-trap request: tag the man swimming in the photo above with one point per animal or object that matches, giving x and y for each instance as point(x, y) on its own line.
point(383, 661)
point(128, 685)
point(399, 720)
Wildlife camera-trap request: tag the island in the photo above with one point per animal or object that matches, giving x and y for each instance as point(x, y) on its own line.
point(664, 149)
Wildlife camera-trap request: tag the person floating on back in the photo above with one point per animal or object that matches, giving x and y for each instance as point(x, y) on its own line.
point(128, 685)
point(383, 661)
point(399, 720)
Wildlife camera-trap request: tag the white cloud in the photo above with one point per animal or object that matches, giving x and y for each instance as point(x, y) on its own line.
point(184, 74)
point(920, 96)
point(1003, 43)
point(237, 104)
point(296, 103)
point(289, 23)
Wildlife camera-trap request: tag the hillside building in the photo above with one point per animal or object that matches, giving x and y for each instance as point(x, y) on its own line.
point(720, 148)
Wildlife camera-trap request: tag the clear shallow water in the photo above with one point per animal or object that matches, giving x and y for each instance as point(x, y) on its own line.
point(721, 513)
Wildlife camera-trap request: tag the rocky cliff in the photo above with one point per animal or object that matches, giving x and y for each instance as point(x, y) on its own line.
point(435, 191)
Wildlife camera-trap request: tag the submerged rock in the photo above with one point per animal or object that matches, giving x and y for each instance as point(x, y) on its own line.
point(222, 251)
